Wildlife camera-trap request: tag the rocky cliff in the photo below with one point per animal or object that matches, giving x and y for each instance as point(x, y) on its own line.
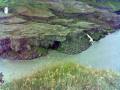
point(30, 30)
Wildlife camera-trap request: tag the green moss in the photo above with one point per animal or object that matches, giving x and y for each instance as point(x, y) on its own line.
point(44, 31)
point(13, 2)
point(74, 23)
point(83, 24)
point(76, 42)
point(67, 76)
point(64, 22)
point(41, 51)
point(114, 5)
point(73, 6)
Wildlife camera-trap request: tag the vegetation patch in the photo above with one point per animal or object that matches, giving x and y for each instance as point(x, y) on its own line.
point(41, 51)
point(67, 76)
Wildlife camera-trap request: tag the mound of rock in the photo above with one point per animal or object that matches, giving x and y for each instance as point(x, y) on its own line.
point(66, 26)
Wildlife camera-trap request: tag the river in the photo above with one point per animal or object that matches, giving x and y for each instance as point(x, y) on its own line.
point(104, 54)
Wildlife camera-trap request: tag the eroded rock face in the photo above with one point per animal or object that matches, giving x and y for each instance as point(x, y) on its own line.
point(5, 45)
point(16, 49)
point(63, 25)
point(20, 44)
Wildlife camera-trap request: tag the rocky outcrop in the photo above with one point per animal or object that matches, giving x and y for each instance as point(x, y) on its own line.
point(75, 43)
point(61, 25)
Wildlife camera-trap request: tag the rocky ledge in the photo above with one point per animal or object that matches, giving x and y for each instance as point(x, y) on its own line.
point(69, 27)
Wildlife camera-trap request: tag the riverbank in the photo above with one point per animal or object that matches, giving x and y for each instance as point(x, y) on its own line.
point(67, 76)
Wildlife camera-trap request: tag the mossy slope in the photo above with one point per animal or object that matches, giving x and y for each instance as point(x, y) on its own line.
point(67, 77)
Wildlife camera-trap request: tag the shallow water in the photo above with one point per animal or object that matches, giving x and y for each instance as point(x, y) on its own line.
point(104, 54)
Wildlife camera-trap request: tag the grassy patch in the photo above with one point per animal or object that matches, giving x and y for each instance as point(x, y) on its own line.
point(67, 77)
